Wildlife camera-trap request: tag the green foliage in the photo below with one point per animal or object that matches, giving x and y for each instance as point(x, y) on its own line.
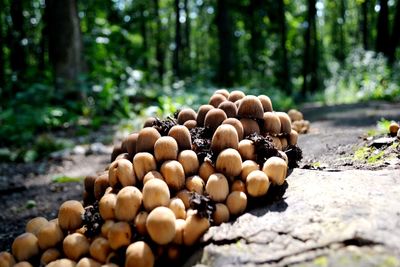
point(66, 179)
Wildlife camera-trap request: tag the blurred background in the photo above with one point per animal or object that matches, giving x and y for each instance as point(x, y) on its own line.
point(72, 66)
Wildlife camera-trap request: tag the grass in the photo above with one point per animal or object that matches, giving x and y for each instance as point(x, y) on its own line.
point(66, 179)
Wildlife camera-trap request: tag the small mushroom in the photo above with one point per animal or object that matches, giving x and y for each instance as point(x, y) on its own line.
point(152, 175)
point(155, 194)
point(276, 169)
point(266, 102)
point(146, 139)
point(189, 161)
point(205, 170)
point(286, 125)
point(160, 225)
point(225, 136)
point(190, 124)
point(238, 185)
point(165, 148)
point(184, 195)
point(229, 162)
point(284, 142)
point(236, 202)
point(70, 215)
point(129, 144)
point(121, 173)
point(257, 183)
point(195, 184)
point(238, 126)
point(393, 128)
point(277, 142)
point(195, 227)
point(179, 227)
point(75, 246)
point(87, 262)
point(6, 259)
point(272, 123)
point(129, 200)
point(49, 235)
point(201, 114)
point(107, 206)
point(178, 208)
point(182, 136)
point(117, 150)
point(295, 115)
point(100, 185)
point(217, 187)
point(236, 95)
point(49, 255)
point(247, 167)
point(293, 137)
point(229, 108)
point(23, 264)
point(119, 235)
point(88, 183)
point(140, 222)
point(139, 254)
point(99, 249)
point(247, 150)
point(216, 100)
point(214, 118)
point(223, 92)
point(25, 246)
point(62, 263)
point(221, 214)
point(149, 122)
point(250, 107)
point(143, 162)
point(174, 175)
point(105, 228)
point(249, 126)
point(186, 114)
point(33, 226)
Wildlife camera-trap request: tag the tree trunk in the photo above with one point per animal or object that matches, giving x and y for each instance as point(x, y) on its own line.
point(254, 21)
point(44, 39)
point(65, 46)
point(285, 75)
point(159, 46)
point(2, 39)
point(143, 31)
point(225, 34)
point(383, 39)
point(395, 38)
point(364, 24)
point(187, 39)
point(178, 42)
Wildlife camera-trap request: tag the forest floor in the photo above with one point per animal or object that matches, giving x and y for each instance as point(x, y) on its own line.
point(336, 143)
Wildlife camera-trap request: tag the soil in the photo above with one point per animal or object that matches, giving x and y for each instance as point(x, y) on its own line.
point(28, 190)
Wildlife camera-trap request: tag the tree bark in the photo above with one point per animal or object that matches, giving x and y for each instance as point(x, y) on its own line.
point(178, 42)
point(65, 46)
point(188, 65)
point(395, 38)
point(285, 75)
point(143, 31)
point(364, 24)
point(159, 45)
point(383, 39)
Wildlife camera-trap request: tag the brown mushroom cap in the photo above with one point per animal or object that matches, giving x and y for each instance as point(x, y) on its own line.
point(107, 206)
point(201, 114)
point(247, 150)
point(23, 264)
point(229, 162)
point(184, 195)
point(75, 246)
point(117, 150)
point(152, 175)
point(129, 144)
point(247, 167)
point(174, 174)
point(105, 228)
point(236, 202)
point(286, 125)
point(257, 183)
point(236, 95)
point(121, 173)
point(50, 255)
point(88, 183)
point(293, 137)
point(62, 263)
point(189, 161)
point(237, 124)
point(190, 124)
point(195, 227)
point(295, 115)
point(225, 136)
point(277, 142)
point(266, 102)
point(221, 214)
point(140, 222)
point(70, 215)
point(160, 225)
point(393, 128)
point(155, 194)
point(100, 185)
point(87, 262)
point(143, 162)
point(178, 208)
point(182, 136)
point(214, 118)
point(119, 235)
point(229, 108)
point(249, 126)
point(129, 200)
point(238, 185)
point(49, 235)
point(25, 246)
point(195, 184)
point(216, 100)
point(146, 139)
point(34, 225)
point(179, 227)
point(272, 123)
point(149, 122)
point(276, 169)
point(186, 114)
point(223, 92)
point(217, 187)
point(205, 170)
point(99, 249)
point(250, 107)
point(6, 259)
point(165, 148)
point(139, 254)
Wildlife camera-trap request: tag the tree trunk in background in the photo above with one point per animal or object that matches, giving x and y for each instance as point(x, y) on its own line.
point(44, 39)
point(18, 51)
point(341, 53)
point(395, 38)
point(188, 65)
point(255, 20)
point(143, 31)
point(178, 42)
point(383, 39)
point(2, 39)
point(364, 24)
point(285, 75)
point(65, 46)
point(225, 36)
point(159, 46)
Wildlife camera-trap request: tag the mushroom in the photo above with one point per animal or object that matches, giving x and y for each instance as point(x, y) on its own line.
point(250, 107)
point(293, 137)
point(50, 255)
point(276, 169)
point(284, 142)
point(229, 108)
point(195, 184)
point(277, 142)
point(201, 114)
point(214, 118)
point(186, 114)
point(257, 183)
point(247, 150)
point(129, 200)
point(225, 136)
point(236, 95)
point(107, 206)
point(284, 156)
point(221, 214)
point(88, 262)
point(165, 148)
point(23, 264)
point(149, 122)
point(155, 194)
point(189, 161)
point(286, 125)
point(100, 185)
point(272, 123)
point(62, 263)
point(173, 173)
point(223, 92)
point(178, 207)
point(129, 144)
point(139, 254)
point(182, 136)
point(105, 228)
point(99, 249)
point(184, 195)
point(121, 173)
point(295, 115)
point(195, 227)
point(152, 175)
point(33, 226)
point(190, 124)
point(160, 225)
point(88, 183)
point(6, 259)
point(75, 246)
point(205, 170)
point(217, 187)
point(238, 185)
point(393, 128)
point(143, 162)
point(49, 235)
point(117, 150)
point(249, 126)
point(140, 222)
point(25, 246)
point(237, 124)
point(236, 202)
point(119, 235)
point(146, 139)
point(179, 227)
point(216, 100)
point(247, 167)
point(70, 215)
point(229, 162)
point(266, 102)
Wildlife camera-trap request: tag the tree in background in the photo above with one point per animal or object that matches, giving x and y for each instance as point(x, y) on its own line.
point(383, 38)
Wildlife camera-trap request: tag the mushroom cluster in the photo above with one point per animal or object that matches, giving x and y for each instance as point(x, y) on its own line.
point(166, 185)
point(300, 125)
point(394, 129)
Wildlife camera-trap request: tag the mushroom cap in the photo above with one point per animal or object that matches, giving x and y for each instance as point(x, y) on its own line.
point(247, 150)
point(293, 137)
point(100, 185)
point(236, 95)
point(174, 174)
point(182, 136)
point(186, 114)
point(25, 246)
point(238, 185)
point(75, 246)
point(152, 175)
point(155, 194)
point(286, 125)
point(266, 102)
point(237, 124)
point(249, 126)
point(88, 183)
point(225, 136)
point(107, 206)
point(178, 208)
point(277, 142)
point(229, 162)
point(34, 225)
point(179, 227)
point(284, 156)
point(201, 114)
point(62, 263)
point(272, 123)
point(99, 249)
point(189, 161)
point(236, 202)
point(50, 255)
point(393, 128)
point(143, 162)
point(195, 184)
point(49, 235)
point(70, 215)
point(146, 139)
point(250, 107)
point(276, 169)
point(139, 254)
point(23, 264)
point(149, 122)
point(87, 262)
point(117, 150)
point(160, 225)
point(217, 187)
point(205, 170)
point(222, 91)
point(190, 124)
point(184, 195)
point(129, 200)
point(140, 222)
point(284, 142)
point(121, 173)
point(195, 227)
point(119, 235)
point(221, 214)
point(295, 115)
point(129, 144)
point(165, 148)
point(229, 108)
point(214, 118)
point(216, 100)
point(6, 259)
point(257, 183)
point(105, 228)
